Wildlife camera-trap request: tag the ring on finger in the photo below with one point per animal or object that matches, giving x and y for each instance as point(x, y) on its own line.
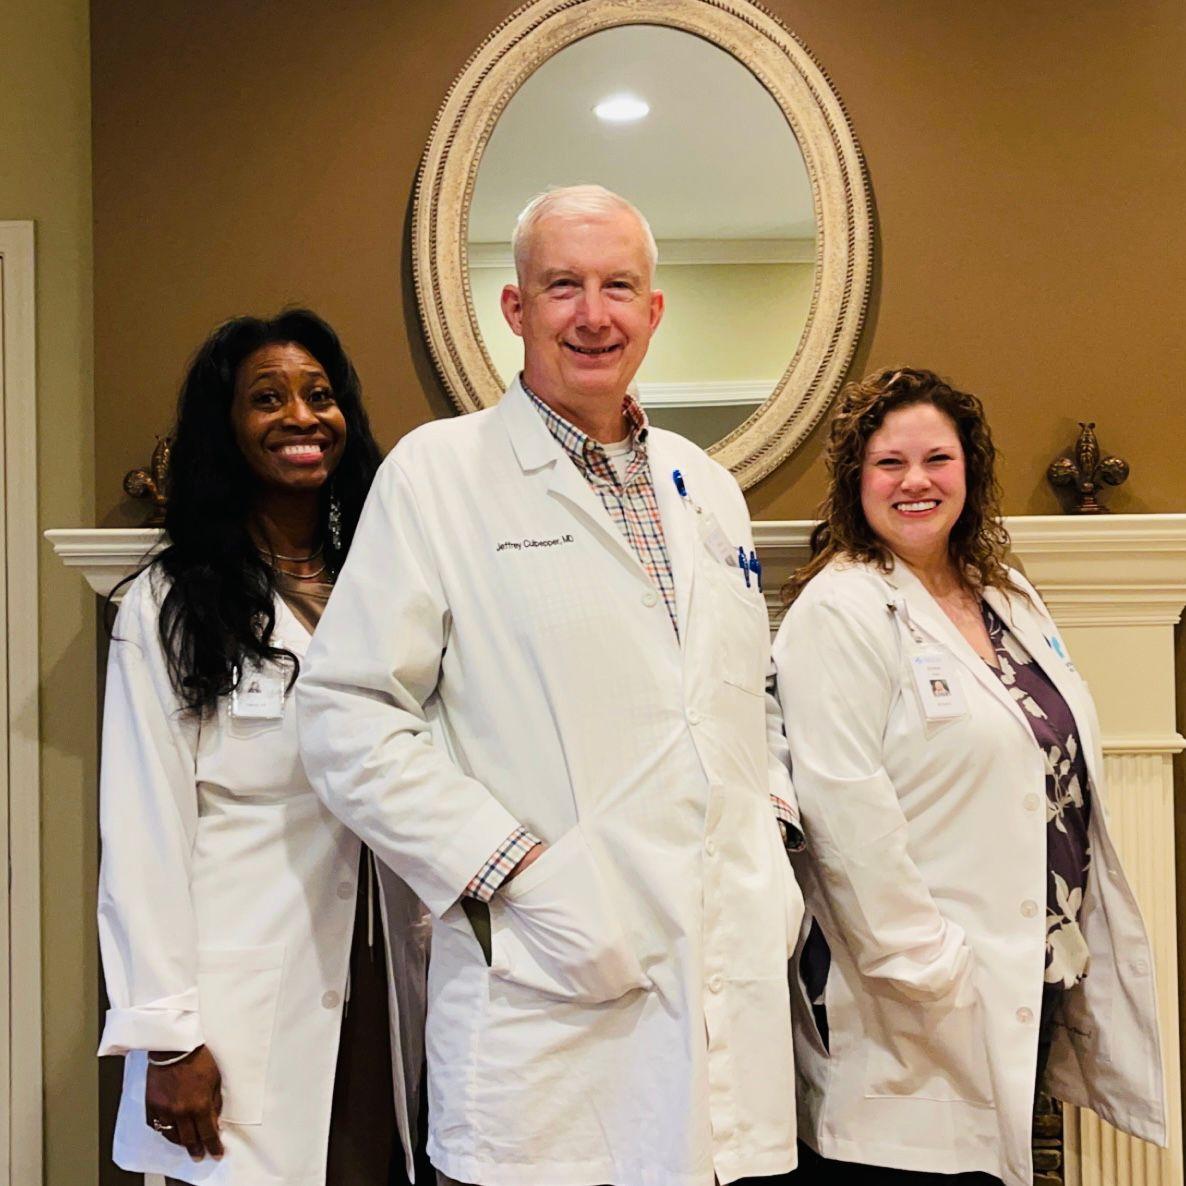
point(160, 1125)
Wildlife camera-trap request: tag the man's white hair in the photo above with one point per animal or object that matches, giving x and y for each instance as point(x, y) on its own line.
point(572, 201)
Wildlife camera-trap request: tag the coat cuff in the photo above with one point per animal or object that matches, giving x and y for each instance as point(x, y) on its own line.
point(465, 852)
point(151, 1029)
point(788, 824)
point(500, 865)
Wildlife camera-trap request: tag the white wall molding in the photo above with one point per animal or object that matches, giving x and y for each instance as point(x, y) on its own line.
point(723, 393)
point(1140, 801)
point(1103, 570)
point(21, 679)
point(682, 251)
point(1143, 555)
point(1170, 743)
point(104, 555)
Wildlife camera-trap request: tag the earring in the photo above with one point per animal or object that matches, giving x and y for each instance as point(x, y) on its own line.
point(335, 521)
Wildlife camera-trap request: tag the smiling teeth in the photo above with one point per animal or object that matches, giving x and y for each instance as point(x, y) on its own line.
point(590, 349)
point(301, 451)
point(917, 506)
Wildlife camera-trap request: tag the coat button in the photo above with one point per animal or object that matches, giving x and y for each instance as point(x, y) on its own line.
point(710, 847)
point(1140, 968)
point(716, 983)
point(1029, 908)
point(1031, 802)
point(329, 1000)
point(694, 717)
point(649, 599)
point(345, 890)
point(1025, 1016)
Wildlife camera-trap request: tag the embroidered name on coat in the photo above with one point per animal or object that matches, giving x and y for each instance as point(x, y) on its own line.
point(517, 545)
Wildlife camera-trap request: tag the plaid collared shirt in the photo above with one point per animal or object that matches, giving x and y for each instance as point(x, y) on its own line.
point(631, 502)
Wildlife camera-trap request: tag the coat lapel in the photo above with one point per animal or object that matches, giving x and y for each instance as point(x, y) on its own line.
point(1035, 631)
point(538, 452)
point(291, 629)
point(927, 615)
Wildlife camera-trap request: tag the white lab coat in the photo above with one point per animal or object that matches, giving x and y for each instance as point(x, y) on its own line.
point(495, 655)
point(926, 868)
point(226, 906)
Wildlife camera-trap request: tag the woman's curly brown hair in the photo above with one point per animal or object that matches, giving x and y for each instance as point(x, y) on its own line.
point(978, 542)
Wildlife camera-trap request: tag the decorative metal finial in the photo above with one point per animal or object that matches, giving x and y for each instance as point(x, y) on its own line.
point(1087, 471)
point(150, 483)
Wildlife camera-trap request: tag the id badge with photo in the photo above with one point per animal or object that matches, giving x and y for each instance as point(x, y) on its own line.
point(716, 541)
point(938, 685)
point(258, 694)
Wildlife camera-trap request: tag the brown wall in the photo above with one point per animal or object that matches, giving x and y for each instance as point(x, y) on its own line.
point(1027, 165)
point(45, 175)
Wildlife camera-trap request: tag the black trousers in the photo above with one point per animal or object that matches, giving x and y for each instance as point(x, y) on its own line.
point(364, 1145)
point(815, 1170)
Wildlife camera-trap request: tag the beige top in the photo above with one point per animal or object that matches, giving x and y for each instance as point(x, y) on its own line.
point(306, 599)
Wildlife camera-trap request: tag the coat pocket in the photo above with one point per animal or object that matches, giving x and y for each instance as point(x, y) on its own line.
point(238, 989)
point(743, 629)
point(555, 929)
point(928, 1051)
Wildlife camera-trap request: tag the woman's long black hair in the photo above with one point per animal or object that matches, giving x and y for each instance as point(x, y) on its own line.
point(220, 605)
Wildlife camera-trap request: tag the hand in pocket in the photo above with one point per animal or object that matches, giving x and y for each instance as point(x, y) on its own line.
point(555, 928)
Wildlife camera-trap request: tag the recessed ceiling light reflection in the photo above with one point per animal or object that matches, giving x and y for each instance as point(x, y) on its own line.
point(621, 109)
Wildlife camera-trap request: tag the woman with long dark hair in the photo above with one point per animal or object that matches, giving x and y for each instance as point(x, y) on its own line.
point(974, 935)
point(230, 900)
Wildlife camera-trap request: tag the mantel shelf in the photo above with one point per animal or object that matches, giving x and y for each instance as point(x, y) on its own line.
point(1091, 570)
point(1116, 568)
point(104, 555)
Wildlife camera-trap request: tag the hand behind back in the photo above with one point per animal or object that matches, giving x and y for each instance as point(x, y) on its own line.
point(183, 1101)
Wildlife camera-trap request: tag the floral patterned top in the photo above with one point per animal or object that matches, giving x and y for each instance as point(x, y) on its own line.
point(1068, 800)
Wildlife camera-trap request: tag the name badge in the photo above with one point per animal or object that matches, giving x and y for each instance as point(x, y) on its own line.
point(938, 685)
point(715, 540)
point(258, 694)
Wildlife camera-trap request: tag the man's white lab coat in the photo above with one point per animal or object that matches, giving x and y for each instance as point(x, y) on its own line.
point(493, 655)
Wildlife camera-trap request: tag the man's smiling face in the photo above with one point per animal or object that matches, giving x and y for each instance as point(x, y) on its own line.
point(584, 307)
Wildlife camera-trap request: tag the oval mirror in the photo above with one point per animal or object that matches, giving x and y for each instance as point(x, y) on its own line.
point(719, 126)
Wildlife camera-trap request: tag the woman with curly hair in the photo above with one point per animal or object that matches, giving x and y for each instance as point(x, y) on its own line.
point(974, 935)
point(234, 910)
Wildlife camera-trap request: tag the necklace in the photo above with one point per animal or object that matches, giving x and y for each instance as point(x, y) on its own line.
point(293, 559)
point(302, 576)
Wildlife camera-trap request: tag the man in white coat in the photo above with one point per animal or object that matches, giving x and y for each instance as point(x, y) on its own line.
point(539, 694)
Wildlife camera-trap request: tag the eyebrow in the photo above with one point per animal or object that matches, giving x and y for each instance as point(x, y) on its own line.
point(559, 273)
point(898, 452)
point(271, 372)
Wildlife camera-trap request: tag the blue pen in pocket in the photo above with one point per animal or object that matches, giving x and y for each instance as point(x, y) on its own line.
point(743, 564)
point(755, 566)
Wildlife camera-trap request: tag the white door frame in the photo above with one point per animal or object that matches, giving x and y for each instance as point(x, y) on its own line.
point(20, 784)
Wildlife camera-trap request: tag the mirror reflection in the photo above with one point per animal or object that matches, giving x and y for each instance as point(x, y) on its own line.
point(682, 129)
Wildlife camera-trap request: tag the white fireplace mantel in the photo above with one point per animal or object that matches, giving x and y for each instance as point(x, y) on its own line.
point(1120, 567)
point(1116, 584)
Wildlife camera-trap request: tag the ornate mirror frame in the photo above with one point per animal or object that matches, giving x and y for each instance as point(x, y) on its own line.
point(803, 92)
